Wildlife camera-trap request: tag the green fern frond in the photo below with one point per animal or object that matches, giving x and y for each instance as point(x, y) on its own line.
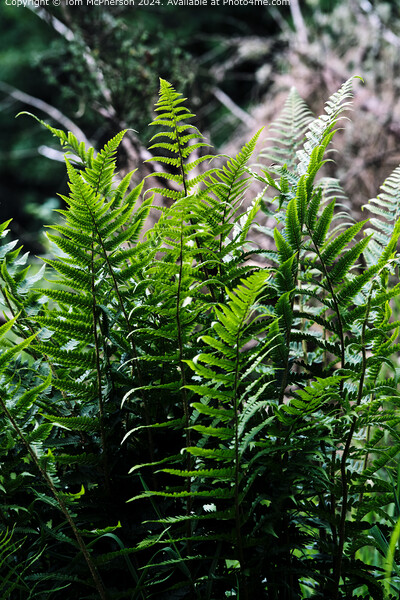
point(213, 473)
point(347, 260)
point(212, 453)
point(319, 128)
point(321, 229)
point(76, 328)
point(221, 493)
point(173, 116)
point(67, 140)
point(99, 174)
point(71, 358)
point(331, 249)
point(25, 402)
point(40, 433)
point(285, 249)
point(231, 181)
point(312, 397)
point(66, 298)
point(15, 350)
point(87, 424)
point(293, 226)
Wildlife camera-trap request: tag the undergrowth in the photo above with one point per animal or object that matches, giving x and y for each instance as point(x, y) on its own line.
point(198, 411)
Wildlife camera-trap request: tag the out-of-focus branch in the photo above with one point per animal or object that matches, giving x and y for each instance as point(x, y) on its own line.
point(70, 36)
point(239, 113)
point(52, 153)
point(48, 109)
point(135, 151)
point(277, 15)
point(377, 24)
point(298, 21)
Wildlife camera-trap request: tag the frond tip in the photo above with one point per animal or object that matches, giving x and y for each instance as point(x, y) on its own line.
point(320, 128)
point(287, 132)
point(177, 141)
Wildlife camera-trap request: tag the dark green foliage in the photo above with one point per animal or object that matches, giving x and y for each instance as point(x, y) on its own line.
point(195, 422)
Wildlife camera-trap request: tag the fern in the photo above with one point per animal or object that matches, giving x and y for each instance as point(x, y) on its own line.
point(320, 129)
point(288, 131)
point(180, 135)
point(33, 441)
point(385, 206)
point(249, 409)
point(13, 575)
point(231, 328)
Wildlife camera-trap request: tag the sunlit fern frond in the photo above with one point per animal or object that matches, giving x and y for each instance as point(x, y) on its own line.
point(176, 142)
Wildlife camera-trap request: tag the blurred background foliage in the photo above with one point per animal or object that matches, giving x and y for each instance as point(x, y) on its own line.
point(96, 69)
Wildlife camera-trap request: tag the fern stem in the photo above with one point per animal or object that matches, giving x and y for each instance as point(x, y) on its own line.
point(183, 380)
point(92, 567)
point(243, 585)
point(368, 435)
point(180, 347)
point(130, 331)
point(338, 536)
point(98, 377)
point(126, 317)
point(335, 302)
point(180, 154)
point(303, 321)
point(185, 189)
point(346, 450)
point(366, 456)
point(180, 342)
point(286, 369)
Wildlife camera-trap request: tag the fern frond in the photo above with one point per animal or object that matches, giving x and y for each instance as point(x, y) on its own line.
point(331, 249)
point(387, 208)
point(172, 115)
point(99, 174)
point(67, 140)
point(25, 402)
point(345, 262)
point(287, 132)
point(319, 128)
point(321, 229)
point(87, 424)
